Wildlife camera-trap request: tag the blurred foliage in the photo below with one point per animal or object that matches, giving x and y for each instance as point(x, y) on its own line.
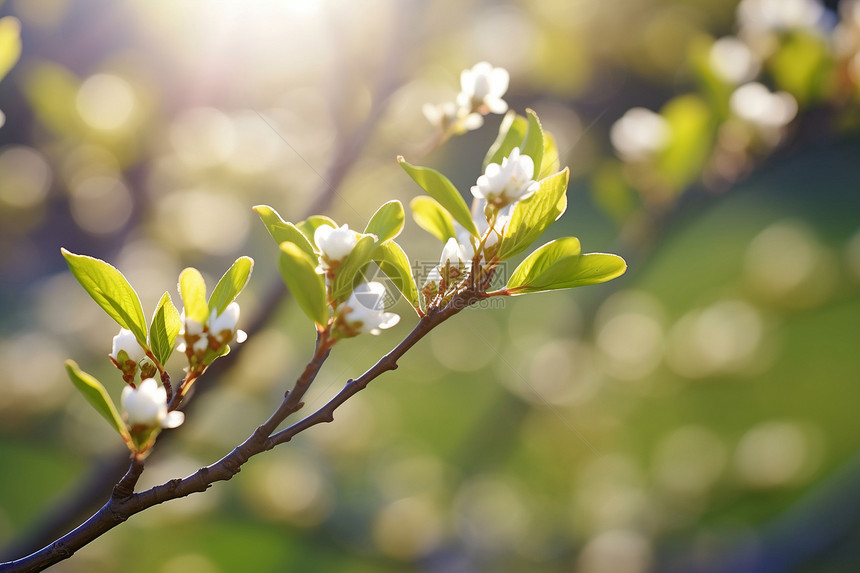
point(682, 419)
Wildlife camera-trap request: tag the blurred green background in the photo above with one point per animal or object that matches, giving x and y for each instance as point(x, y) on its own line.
point(698, 414)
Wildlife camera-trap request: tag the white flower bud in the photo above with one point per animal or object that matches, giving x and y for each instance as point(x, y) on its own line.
point(226, 321)
point(366, 309)
point(509, 182)
point(484, 86)
point(146, 405)
point(335, 244)
point(640, 134)
point(452, 254)
point(125, 340)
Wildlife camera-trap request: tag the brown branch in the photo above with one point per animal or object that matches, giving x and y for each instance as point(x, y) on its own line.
point(123, 503)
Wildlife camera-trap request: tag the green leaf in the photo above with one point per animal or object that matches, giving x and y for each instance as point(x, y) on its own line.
point(559, 265)
point(550, 163)
point(430, 216)
point(192, 287)
point(298, 270)
point(111, 291)
point(231, 284)
point(309, 226)
point(165, 326)
point(512, 132)
point(10, 44)
point(95, 393)
point(349, 271)
point(440, 188)
point(533, 142)
point(392, 261)
point(282, 231)
point(532, 216)
point(387, 222)
point(691, 123)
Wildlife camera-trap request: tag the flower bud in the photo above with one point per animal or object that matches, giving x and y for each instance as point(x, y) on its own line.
point(126, 341)
point(335, 244)
point(146, 406)
point(365, 309)
point(223, 326)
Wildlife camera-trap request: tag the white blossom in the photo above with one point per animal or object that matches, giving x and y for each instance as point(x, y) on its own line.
point(126, 340)
point(445, 115)
point(146, 405)
point(733, 61)
point(509, 182)
point(226, 321)
point(335, 244)
point(452, 254)
point(757, 105)
point(639, 134)
point(483, 86)
point(367, 309)
point(778, 15)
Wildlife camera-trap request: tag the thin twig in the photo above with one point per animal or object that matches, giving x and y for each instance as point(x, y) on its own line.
point(124, 503)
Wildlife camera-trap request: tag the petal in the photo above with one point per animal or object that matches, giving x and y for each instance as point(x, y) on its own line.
point(173, 419)
point(389, 319)
point(500, 79)
point(322, 234)
point(496, 105)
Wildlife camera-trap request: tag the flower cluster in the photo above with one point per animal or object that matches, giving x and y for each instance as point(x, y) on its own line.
point(212, 337)
point(481, 90)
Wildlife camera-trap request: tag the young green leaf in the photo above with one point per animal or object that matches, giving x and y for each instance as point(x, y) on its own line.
point(111, 291)
point(532, 216)
point(281, 230)
point(559, 265)
point(392, 261)
point(430, 216)
point(387, 222)
point(231, 284)
point(550, 163)
point(533, 143)
point(350, 269)
point(192, 287)
point(97, 396)
point(164, 328)
point(440, 188)
point(309, 226)
point(307, 285)
point(512, 131)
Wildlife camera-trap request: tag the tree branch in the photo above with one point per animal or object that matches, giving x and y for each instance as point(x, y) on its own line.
point(124, 503)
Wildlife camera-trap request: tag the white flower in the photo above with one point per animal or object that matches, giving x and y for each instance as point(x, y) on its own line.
point(509, 182)
point(483, 86)
point(639, 134)
point(777, 15)
point(366, 309)
point(335, 244)
point(189, 325)
point(757, 105)
point(452, 254)
point(441, 115)
point(733, 61)
point(226, 321)
point(125, 340)
point(445, 115)
point(146, 405)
